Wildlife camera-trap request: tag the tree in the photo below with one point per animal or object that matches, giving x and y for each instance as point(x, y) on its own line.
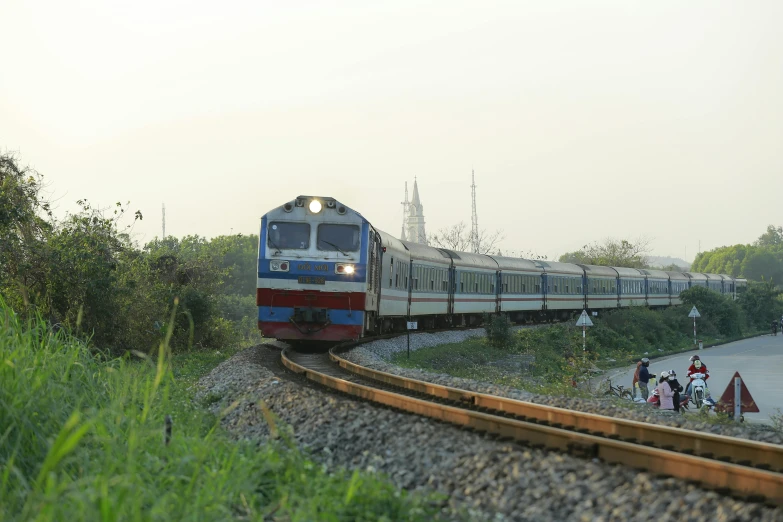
point(763, 265)
point(457, 238)
point(612, 253)
point(772, 238)
point(23, 227)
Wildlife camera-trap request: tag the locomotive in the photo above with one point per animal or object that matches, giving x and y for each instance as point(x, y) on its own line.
point(326, 274)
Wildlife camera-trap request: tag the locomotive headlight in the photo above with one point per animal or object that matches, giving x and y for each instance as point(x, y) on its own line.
point(278, 266)
point(315, 206)
point(344, 269)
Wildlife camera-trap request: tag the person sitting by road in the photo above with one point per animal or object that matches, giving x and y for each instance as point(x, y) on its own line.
point(665, 392)
point(654, 399)
point(644, 378)
point(635, 382)
point(676, 388)
point(696, 367)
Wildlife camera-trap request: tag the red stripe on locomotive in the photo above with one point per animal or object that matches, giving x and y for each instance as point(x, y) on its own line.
point(310, 298)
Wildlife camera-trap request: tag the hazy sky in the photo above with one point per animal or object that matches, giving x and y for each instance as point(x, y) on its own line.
point(582, 119)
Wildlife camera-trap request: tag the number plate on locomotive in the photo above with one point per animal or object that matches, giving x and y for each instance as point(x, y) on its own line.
point(311, 280)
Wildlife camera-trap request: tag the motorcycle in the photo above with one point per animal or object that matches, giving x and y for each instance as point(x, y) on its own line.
point(699, 394)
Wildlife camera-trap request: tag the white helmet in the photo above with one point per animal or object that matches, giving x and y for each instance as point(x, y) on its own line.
point(664, 375)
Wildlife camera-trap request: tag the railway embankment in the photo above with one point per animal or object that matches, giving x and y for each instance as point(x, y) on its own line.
point(477, 477)
point(454, 360)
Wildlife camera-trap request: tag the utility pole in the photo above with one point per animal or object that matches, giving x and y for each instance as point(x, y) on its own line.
point(164, 222)
point(474, 233)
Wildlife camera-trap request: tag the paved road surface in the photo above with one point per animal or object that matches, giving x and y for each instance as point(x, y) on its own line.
point(759, 361)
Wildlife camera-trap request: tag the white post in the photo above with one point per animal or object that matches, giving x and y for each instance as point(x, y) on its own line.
point(694, 330)
point(584, 338)
point(737, 398)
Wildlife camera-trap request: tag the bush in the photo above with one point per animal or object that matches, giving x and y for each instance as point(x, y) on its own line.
point(498, 328)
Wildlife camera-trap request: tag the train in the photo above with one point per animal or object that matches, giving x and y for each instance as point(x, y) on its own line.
point(326, 274)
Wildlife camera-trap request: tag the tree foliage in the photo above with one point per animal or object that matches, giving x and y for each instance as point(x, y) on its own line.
point(84, 273)
point(760, 261)
point(612, 252)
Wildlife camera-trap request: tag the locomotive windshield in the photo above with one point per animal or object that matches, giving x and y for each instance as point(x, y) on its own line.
point(340, 238)
point(286, 234)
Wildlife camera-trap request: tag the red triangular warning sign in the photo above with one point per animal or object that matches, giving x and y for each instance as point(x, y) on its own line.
point(726, 403)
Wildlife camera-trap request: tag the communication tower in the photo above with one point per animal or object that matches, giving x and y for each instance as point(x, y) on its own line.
point(474, 231)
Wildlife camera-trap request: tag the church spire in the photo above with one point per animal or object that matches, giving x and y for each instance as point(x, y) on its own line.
point(415, 223)
point(416, 202)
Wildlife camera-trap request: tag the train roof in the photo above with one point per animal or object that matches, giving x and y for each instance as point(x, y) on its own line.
point(467, 259)
point(517, 263)
point(660, 274)
point(677, 276)
point(387, 240)
point(599, 271)
point(696, 276)
point(555, 267)
point(427, 253)
point(726, 277)
point(628, 272)
point(713, 277)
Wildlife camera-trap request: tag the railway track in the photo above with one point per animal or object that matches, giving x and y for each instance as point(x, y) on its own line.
point(746, 469)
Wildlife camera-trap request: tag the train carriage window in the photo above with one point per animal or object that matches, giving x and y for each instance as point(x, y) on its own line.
point(391, 271)
point(333, 237)
point(287, 234)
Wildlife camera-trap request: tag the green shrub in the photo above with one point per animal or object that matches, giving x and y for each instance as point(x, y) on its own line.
point(498, 329)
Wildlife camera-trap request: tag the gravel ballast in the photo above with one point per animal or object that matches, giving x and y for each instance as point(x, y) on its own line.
point(377, 354)
point(496, 481)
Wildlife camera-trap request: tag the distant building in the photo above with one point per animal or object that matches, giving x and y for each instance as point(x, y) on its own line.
point(413, 227)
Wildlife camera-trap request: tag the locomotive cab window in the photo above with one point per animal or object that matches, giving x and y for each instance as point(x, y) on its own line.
point(333, 237)
point(287, 234)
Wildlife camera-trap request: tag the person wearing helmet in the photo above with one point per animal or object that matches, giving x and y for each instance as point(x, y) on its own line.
point(644, 378)
point(696, 367)
point(665, 392)
point(676, 388)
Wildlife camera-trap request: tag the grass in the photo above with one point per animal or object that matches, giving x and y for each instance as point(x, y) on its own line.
point(81, 438)
point(617, 339)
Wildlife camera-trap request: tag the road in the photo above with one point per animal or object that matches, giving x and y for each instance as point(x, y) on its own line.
point(759, 361)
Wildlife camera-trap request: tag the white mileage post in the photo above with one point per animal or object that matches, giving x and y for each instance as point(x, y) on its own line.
point(412, 325)
point(584, 321)
point(694, 313)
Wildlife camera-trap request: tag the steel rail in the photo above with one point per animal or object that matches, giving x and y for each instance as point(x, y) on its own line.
point(729, 449)
point(746, 481)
